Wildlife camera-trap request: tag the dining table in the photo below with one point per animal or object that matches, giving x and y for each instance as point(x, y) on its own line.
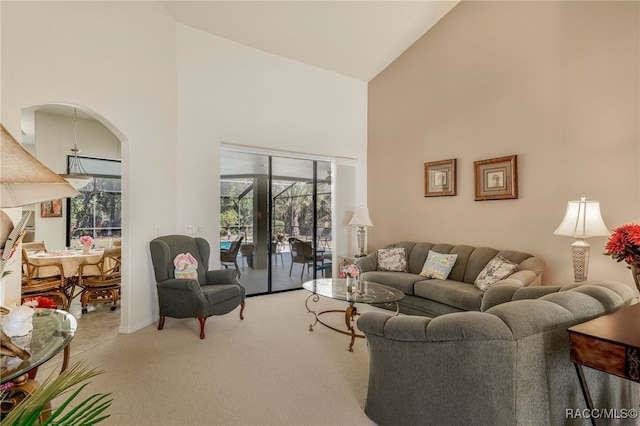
point(69, 259)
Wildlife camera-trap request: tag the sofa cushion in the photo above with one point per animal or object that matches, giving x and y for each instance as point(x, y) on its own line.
point(402, 281)
point(453, 293)
point(438, 265)
point(497, 269)
point(392, 259)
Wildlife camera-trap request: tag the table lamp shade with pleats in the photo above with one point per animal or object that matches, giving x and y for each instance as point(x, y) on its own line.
point(24, 180)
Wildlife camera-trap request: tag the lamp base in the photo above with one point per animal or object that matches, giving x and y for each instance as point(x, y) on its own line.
point(580, 252)
point(361, 234)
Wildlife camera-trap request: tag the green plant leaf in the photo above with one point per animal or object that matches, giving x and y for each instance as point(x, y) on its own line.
point(28, 411)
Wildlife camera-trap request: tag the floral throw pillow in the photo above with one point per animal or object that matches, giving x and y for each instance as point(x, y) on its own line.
point(497, 269)
point(392, 259)
point(438, 265)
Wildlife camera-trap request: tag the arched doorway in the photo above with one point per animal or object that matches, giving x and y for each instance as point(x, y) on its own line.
point(49, 132)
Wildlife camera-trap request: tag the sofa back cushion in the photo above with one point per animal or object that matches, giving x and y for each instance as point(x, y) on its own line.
point(469, 263)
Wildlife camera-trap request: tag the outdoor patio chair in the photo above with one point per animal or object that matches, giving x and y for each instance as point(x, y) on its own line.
point(230, 255)
point(302, 252)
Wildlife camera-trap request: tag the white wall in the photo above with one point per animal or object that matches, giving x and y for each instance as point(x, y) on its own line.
point(115, 60)
point(556, 83)
point(230, 93)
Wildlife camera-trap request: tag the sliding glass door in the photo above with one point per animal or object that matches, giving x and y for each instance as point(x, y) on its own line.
point(281, 208)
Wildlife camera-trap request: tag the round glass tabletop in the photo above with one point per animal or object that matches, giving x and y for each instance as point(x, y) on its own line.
point(336, 288)
point(52, 331)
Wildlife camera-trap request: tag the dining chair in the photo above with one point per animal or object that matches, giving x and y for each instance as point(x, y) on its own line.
point(302, 252)
point(230, 255)
point(36, 246)
point(211, 292)
point(52, 287)
point(100, 281)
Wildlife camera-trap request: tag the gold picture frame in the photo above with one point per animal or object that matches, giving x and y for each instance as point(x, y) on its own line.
point(51, 208)
point(496, 178)
point(440, 178)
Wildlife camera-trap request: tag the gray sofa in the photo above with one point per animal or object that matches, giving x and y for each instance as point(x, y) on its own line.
point(432, 297)
point(508, 365)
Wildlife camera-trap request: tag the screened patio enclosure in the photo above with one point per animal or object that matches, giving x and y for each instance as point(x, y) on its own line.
point(267, 200)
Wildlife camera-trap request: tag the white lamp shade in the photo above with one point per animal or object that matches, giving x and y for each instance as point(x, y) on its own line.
point(582, 220)
point(24, 180)
point(361, 217)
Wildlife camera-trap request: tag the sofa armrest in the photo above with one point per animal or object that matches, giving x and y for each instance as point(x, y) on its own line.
point(533, 267)
point(180, 288)
point(367, 263)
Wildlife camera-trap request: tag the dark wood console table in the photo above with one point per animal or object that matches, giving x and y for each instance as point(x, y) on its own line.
point(610, 343)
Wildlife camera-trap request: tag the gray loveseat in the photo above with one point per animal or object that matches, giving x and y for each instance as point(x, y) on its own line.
point(508, 365)
point(433, 297)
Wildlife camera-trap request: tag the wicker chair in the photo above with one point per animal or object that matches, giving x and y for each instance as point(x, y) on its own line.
point(35, 246)
point(231, 255)
point(52, 286)
point(302, 252)
point(100, 281)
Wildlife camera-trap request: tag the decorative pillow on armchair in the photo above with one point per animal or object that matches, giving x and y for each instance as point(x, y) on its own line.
point(186, 266)
point(438, 265)
point(392, 259)
point(497, 269)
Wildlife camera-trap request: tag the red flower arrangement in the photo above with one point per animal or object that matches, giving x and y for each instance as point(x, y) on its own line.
point(624, 243)
point(40, 302)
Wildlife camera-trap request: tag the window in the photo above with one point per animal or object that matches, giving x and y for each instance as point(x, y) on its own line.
point(97, 210)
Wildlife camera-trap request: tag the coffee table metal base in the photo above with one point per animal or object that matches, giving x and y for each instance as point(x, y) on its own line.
point(349, 313)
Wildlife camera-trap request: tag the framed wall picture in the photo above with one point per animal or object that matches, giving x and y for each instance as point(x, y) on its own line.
point(440, 178)
point(51, 208)
point(496, 178)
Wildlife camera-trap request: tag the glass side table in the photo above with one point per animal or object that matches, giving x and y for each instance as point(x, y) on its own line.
point(52, 332)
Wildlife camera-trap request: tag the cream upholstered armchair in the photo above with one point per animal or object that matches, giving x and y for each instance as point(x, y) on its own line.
point(210, 293)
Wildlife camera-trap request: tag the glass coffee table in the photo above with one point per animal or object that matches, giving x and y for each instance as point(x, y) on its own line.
point(336, 288)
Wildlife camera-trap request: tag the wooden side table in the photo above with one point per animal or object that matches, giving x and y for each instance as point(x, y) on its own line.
point(610, 343)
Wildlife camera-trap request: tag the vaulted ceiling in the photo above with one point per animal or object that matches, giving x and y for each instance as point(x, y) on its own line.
point(353, 38)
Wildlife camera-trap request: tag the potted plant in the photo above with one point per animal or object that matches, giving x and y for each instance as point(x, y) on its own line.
point(35, 409)
point(624, 245)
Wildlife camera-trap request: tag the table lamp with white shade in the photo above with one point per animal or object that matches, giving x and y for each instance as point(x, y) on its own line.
point(581, 221)
point(362, 220)
point(23, 180)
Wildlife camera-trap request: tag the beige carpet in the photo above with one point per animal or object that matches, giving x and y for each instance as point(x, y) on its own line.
point(265, 370)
